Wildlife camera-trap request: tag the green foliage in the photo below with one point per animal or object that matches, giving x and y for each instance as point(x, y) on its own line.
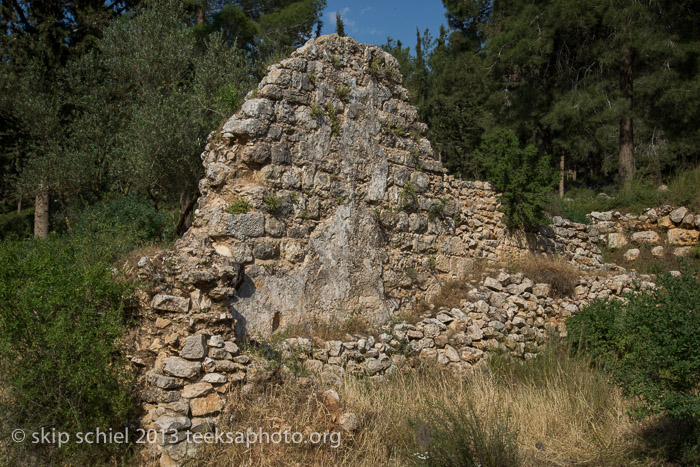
point(401, 54)
point(316, 110)
point(232, 23)
point(178, 91)
point(311, 78)
point(399, 131)
point(332, 113)
point(131, 217)
point(86, 145)
point(377, 214)
point(240, 206)
point(412, 273)
point(15, 226)
point(436, 210)
point(695, 251)
point(409, 197)
point(523, 176)
point(335, 60)
point(272, 204)
point(684, 189)
point(380, 69)
point(339, 25)
point(634, 197)
point(61, 321)
point(230, 96)
point(343, 93)
point(287, 25)
point(650, 345)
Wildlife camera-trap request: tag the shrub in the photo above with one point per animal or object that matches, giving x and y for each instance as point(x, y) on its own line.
point(523, 176)
point(15, 226)
point(333, 119)
point(343, 93)
point(316, 110)
point(436, 210)
point(61, 319)
point(650, 345)
point(272, 204)
point(409, 197)
point(637, 196)
point(132, 216)
point(634, 197)
point(455, 435)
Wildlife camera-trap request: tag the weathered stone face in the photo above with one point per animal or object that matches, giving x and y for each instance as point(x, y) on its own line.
point(325, 187)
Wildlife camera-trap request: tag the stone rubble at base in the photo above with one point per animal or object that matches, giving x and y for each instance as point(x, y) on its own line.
point(323, 202)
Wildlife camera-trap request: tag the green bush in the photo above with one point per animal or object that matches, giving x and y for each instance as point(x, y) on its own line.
point(650, 345)
point(523, 176)
point(15, 226)
point(128, 222)
point(272, 204)
point(61, 321)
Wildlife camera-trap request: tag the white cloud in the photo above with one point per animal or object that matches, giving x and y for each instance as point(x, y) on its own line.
point(344, 14)
point(365, 10)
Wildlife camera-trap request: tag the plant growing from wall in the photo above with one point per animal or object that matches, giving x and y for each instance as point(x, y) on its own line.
point(311, 78)
point(432, 263)
point(409, 197)
point(272, 204)
point(382, 70)
point(436, 210)
point(316, 110)
point(240, 206)
point(343, 93)
point(332, 113)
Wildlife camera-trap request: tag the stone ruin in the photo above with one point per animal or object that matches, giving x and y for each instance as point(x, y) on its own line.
point(324, 199)
point(323, 202)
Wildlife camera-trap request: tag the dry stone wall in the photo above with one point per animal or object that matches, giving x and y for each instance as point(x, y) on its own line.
point(325, 188)
point(322, 202)
point(662, 230)
point(197, 361)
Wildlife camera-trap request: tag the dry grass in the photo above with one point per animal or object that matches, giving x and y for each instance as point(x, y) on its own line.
point(451, 295)
point(454, 292)
point(552, 270)
point(325, 331)
point(559, 411)
point(127, 265)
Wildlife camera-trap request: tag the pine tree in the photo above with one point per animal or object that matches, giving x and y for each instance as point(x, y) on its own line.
point(339, 25)
point(578, 79)
point(458, 87)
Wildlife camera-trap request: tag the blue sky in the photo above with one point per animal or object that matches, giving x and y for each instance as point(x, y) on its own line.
point(370, 22)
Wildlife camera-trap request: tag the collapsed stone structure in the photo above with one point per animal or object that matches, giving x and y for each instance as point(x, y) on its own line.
point(325, 188)
point(324, 202)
